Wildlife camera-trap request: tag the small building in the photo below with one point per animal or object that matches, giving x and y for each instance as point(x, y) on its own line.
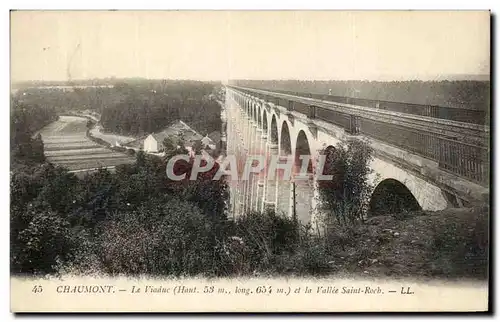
point(178, 130)
point(154, 142)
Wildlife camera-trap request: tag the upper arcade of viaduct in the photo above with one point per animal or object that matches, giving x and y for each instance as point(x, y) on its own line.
point(438, 162)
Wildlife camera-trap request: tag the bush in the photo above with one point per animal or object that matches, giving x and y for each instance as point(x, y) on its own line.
point(256, 239)
point(168, 239)
point(344, 199)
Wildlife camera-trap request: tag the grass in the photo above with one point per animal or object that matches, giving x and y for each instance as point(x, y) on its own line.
point(448, 244)
point(452, 243)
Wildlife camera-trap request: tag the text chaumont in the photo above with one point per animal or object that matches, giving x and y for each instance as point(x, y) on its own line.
point(85, 289)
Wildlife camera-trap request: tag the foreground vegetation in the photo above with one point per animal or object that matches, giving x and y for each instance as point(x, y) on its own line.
point(135, 221)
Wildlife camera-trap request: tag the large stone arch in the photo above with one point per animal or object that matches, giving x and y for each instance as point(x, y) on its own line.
point(285, 147)
point(299, 126)
point(328, 154)
point(259, 116)
point(270, 198)
point(303, 147)
point(273, 133)
point(284, 184)
point(390, 197)
point(429, 196)
point(303, 193)
point(265, 126)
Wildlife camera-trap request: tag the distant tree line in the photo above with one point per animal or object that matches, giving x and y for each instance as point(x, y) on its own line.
point(462, 94)
point(141, 114)
point(108, 81)
point(137, 106)
point(70, 99)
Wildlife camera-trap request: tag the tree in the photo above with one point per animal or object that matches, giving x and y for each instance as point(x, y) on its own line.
point(197, 147)
point(140, 158)
point(169, 146)
point(345, 198)
point(37, 151)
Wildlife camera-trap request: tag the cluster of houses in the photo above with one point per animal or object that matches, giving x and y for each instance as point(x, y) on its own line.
point(179, 132)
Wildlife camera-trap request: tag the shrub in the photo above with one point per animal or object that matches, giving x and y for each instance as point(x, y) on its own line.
point(344, 199)
point(257, 238)
point(167, 239)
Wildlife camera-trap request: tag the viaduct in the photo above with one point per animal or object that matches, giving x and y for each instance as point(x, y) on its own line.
point(420, 159)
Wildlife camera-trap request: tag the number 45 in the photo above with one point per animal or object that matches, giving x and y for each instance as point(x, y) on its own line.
point(37, 289)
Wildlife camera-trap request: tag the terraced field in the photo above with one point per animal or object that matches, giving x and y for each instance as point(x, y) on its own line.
point(66, 144)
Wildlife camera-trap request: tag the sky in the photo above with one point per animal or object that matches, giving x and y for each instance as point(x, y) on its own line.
point(222, 45)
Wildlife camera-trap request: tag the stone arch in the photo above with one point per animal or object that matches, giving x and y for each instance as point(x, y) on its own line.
point(285, 140)
point(259, 116)
point(264, 121)
point(271, 185)
point(274, 130)
point(328, 168)
point(329, 155)
point(284, 186)
point(302, 147)
point(302, 194)
point(391, 196)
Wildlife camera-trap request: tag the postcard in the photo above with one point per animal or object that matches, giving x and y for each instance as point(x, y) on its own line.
point(250, 161)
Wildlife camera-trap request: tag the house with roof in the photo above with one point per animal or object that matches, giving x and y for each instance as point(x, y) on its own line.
point(179, 131)
point(154, 142)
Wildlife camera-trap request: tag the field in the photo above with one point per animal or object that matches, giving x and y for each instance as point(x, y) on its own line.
point(66, 144)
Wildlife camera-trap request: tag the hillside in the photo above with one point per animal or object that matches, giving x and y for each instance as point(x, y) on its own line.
point(452, 243)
